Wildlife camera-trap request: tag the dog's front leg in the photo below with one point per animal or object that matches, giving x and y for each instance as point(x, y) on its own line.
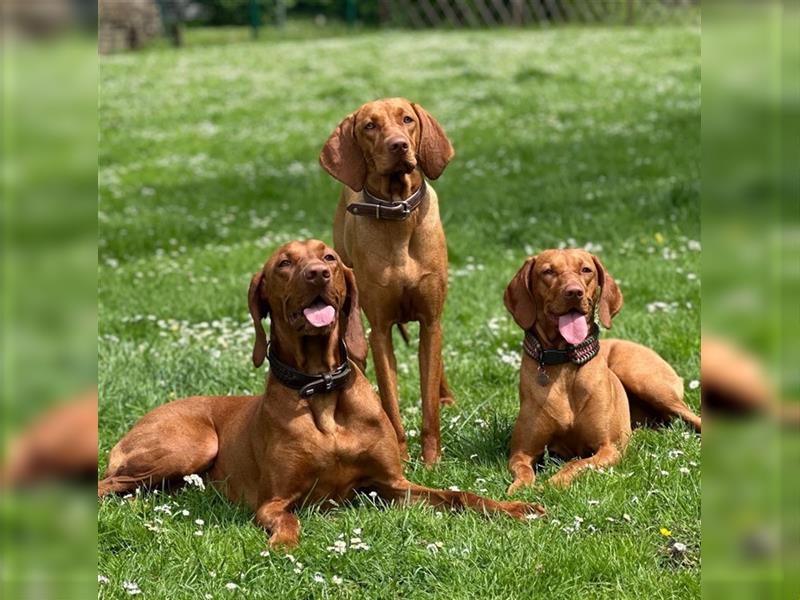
point(430, 373)
point(274, 516)
point(380, 339)
point(528, 441)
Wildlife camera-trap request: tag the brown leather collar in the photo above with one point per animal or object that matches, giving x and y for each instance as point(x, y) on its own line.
point(578, 354)
point(388, 211)
point(310, 383)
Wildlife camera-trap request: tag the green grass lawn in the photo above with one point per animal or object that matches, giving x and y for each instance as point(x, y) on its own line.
point(208, 161)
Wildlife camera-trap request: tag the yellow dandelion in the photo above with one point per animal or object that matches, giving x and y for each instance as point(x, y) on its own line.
point(659, 238)
point(665, 532)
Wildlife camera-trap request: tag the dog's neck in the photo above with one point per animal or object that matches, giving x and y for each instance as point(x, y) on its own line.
point(394, 187)
point(312, 354)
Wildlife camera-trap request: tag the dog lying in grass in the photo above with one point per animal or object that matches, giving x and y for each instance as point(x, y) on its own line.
point(578, 396)
point(317, 433)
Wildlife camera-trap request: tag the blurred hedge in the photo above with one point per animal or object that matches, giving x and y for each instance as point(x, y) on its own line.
point(237, 12)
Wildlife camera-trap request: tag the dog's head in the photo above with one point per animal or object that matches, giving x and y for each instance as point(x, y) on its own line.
point(558, 291)
point(386, 137)
point(307, 291)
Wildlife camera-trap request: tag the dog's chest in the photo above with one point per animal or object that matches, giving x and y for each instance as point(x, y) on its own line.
point(347, 444)
point(566, 406)
point(338, 463)
point(395, 256)
point(338, 453)
point(557, 399)
point(394, 266)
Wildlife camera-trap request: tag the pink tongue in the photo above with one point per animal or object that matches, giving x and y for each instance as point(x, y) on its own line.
point(320, 314)
point(573, 327)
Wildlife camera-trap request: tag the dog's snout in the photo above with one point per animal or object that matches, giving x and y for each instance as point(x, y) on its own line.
point(317, 272)
point(397, 144)
point(573, 291)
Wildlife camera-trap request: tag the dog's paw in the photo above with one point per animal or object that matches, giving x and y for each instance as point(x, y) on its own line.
point(561, 480)
point(524, 511)
point(447, 401)
point(431, 452)
point(283, 541)
point(517, 485)
point(431, 458)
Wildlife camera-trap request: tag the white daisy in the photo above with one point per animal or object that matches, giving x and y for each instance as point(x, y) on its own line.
point(194, 480)
point(131, 587)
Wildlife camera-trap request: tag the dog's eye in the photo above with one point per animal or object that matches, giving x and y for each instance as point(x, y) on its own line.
point(548, 271)
point(586, 270)
point(407, 119)
point(369, 125)
point(330, 257)
point(284, 263)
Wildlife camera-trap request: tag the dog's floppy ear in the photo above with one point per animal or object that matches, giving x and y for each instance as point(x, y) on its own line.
point(341, 155)
point(519, 297)
point(435, 150)
point(259, 309)
point(610, 296)
point(351, 325)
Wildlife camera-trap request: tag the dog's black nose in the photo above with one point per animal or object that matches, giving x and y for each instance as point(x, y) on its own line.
point(317, 273)
point(397, 144)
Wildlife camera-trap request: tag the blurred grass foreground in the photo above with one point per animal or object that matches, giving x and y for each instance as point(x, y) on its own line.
point(49, 316)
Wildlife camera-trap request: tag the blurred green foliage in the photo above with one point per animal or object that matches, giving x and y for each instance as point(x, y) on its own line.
point(237, 12)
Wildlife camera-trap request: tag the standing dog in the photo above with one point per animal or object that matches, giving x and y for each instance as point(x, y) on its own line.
point(387, 228)
point(578, 397)
point(318, 432)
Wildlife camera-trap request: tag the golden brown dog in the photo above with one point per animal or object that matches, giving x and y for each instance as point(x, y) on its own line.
point(387, 228)
point(574, 403)
point(283, 448)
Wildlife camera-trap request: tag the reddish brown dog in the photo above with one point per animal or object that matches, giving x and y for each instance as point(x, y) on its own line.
point(382, 153)
point(580, 410)
point(279, 450)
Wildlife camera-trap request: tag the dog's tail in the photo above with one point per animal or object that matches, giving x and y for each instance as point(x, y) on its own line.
point(403, 333)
